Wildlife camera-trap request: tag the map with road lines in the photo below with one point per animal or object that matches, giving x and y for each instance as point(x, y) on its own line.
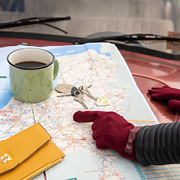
point(102, 66)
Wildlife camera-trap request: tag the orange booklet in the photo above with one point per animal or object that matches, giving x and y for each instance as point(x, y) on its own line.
point(27, 154)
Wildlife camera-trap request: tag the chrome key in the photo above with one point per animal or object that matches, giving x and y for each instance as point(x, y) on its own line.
point(79, 98)
point(64, 94)
point(85, 90)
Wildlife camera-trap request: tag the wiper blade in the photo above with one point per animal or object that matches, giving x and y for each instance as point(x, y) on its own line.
point(127, 38)
point(32, 20)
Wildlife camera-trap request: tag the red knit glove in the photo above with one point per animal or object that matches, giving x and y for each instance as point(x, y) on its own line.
point(172, 95)
point(110, 130)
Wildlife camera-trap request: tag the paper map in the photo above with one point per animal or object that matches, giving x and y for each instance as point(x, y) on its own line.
point(102, 66)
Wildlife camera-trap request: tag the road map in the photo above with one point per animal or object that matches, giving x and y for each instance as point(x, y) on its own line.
point(102, 66)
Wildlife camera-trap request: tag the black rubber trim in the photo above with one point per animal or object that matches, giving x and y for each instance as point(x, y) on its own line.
point(151, 52)
point(71, 39)
point(37, 36)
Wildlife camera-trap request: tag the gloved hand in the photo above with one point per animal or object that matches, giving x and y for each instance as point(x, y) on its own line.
point(110, 130)
point(149, 145)
point(172, 95)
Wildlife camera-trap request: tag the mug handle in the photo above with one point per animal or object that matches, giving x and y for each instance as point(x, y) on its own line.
point(56, 68)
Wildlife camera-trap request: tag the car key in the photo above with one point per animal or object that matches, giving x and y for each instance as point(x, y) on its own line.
point(85, 90)
point(79, 98)
point(64, 94)
point(100, 101)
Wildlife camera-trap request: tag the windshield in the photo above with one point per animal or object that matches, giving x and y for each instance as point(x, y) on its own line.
point(85, 18)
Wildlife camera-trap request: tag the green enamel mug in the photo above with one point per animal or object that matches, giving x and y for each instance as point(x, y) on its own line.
point(31, 72)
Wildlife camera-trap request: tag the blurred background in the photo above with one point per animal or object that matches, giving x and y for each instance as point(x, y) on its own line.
point(96, 17)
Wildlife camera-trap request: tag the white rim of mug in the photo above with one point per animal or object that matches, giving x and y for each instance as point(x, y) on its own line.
point(31, 68)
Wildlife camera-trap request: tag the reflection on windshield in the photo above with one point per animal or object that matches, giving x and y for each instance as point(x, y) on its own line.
point(89, 18)
point(15, 5)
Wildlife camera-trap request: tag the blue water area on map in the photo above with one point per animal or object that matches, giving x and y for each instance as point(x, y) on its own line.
point(5, 97)
point(97, 47)
point(76, 49)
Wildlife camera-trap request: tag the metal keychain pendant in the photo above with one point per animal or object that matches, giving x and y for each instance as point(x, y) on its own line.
point(64, 88)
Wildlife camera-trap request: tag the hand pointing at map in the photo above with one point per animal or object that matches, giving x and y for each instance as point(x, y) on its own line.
point(110, 130)
point(149, 145)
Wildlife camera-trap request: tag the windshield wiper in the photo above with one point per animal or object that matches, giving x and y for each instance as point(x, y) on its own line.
point(34, 20)
point(128, 38)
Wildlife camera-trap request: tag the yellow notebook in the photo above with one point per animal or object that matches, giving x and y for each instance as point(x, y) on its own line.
point(27, 154)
